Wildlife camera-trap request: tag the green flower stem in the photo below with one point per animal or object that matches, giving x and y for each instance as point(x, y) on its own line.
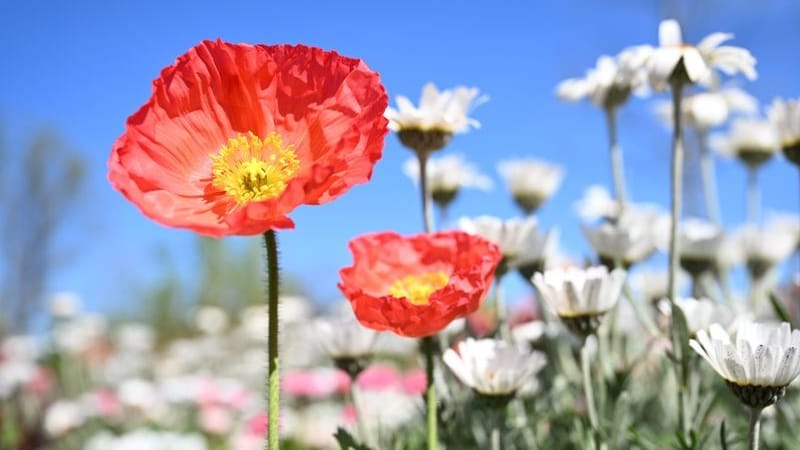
point(644, 318)
point(708, 179)
point(501, 310)
point(674, 247)
point(755, 428)
point(588, 391)
point(271, 244)
point(430, 391)
point(753, 195)
point(617, 170)
point(427, 342)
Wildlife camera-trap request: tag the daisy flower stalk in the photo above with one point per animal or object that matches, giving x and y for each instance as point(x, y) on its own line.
point(447, 176)
point(702, 112)
point(581, 298)
point(236, 136)
point(609, 85)
point(429, 127)
point(757, 365)
point(675, 65)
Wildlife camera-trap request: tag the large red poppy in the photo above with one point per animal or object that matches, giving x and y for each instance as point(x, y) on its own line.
point(415, 286)
point(235, 136)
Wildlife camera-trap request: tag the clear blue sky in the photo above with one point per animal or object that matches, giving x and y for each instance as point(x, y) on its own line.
point(83, 67)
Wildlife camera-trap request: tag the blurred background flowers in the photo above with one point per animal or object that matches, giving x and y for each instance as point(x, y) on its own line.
point(117, 333)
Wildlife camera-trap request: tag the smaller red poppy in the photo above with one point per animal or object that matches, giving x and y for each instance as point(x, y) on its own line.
point(415, 286)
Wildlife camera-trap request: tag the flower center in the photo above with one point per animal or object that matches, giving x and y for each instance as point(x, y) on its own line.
point(417, 289)
point(249, 169)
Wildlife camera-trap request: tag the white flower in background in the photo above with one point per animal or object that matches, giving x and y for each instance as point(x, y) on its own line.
point(519, 240)
point(145, 439)
point(753, 141)
point(580, 296)
point(295, 309)
point(21, 347)
point(530, 181)
point(135, 337)
point(784, 223)
point(596, 203)
point(705, 110)
point(492, 367)
point(785, 117)
point(538, 251)
point(628, 240)
point(315, 426)
point(653, 284)
point(80, 333)
point(64, 305)
point(447, 175)
point(700, 242)
point(611, 81)
point(767, 247)
point(695, 63)
point(344, 337)
point(444, 111)
point(758, 365)
point(381, 412)
point(62, 417)
point(142, 396)
point(211, 319)
point(15, 374)
point(699, 313)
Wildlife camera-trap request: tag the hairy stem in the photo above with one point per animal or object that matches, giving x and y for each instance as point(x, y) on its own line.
point(430, 391)
point(271, 244)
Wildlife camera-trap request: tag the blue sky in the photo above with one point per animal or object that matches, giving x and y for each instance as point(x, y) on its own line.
point(83, 67)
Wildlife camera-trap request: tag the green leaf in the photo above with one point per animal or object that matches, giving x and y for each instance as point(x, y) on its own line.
point(779, 309)
point(347, 441)
point(680, 341)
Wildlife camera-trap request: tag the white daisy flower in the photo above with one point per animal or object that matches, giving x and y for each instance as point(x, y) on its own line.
point(211, 320)
point(610, 82)
point(530, 181)
point(493, 367)
point(596, 203)
point(346, 341)
point(447, 176)
point(785, 117)
point(695, 63)
point(430, 126)
point(627, 240)
point(706, 110)
point(519, 240)
point(699, 313)
point(767, 247)
point(753, 141)
point(758, 365)
point(62, 417)
point(580, 296)
point(700, 242)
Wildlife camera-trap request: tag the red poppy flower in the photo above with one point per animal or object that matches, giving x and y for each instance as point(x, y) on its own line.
point(415, 286)
point(235, 136)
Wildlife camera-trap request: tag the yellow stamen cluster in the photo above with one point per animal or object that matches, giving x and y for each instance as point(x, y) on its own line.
point(249, 169)
point(417, 289)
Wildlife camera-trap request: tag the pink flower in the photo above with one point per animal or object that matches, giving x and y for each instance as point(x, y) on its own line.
point(379, 377)
point(215, 420)
point(315, 383)
point(414, 382)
